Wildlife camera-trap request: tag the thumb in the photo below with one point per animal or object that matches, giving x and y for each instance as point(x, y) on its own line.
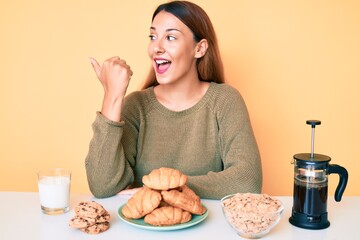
point(96, 66)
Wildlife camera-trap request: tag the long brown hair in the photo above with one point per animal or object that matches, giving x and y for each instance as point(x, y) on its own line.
point(209, 67)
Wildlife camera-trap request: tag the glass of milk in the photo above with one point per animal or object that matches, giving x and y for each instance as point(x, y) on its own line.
point(54, 190)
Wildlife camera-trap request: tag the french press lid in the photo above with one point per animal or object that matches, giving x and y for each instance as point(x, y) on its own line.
point(312, 158)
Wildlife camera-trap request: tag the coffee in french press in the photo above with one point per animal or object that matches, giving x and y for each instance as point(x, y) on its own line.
point(311, 172)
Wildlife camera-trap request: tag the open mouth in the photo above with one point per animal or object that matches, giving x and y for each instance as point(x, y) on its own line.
point(162, 65)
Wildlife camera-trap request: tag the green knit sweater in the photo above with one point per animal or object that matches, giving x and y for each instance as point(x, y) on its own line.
point(211, 142)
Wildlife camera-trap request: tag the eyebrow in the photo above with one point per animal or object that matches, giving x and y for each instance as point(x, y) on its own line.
point(167, 30)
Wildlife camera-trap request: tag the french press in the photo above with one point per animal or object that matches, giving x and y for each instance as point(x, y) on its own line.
point(311, 187)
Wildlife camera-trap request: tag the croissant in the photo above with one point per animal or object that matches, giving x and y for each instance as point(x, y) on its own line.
point(164, 179)
point(183, 201)
point(189, 192)
point(141, 203)
point(166, 216)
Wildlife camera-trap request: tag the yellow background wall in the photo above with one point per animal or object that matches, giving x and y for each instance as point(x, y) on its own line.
point(291, 60)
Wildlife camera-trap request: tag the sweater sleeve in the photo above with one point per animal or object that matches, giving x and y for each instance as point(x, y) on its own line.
point(107, 168)
point(240, 156)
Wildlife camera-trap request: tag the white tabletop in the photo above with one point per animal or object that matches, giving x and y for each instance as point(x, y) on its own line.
point(21, 218)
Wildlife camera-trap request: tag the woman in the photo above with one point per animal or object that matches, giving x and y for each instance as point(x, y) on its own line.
point(185, 118)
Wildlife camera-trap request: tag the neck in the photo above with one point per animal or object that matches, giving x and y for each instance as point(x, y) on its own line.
point(182, 96)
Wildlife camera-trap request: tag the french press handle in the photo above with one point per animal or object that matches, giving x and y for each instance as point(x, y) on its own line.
point(343, 174)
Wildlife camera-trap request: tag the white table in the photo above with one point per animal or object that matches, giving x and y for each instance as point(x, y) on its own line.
point(21, 218)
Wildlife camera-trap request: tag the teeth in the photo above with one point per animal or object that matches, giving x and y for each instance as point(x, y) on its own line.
point(161, 61)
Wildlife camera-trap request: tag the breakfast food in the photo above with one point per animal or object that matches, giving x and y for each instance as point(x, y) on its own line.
point(252, 213)
point(164, 200)
point(103, 218)
point(189, 192)
point(141, 203)
point(89, 209)
point(80, 222)
point(91, 217)
point(181, 200)
point(96, 228)
point(166, 216)
point(164, 179)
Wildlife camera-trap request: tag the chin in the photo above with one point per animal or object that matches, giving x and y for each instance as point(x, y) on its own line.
point(162, 80)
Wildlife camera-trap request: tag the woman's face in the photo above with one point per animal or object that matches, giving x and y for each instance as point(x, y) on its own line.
point(172, 49)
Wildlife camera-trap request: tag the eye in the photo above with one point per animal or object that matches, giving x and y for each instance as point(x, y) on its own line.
point(171, 38)
point(152, 37)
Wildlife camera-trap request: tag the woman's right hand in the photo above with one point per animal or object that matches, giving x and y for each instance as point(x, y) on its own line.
point(114, 75)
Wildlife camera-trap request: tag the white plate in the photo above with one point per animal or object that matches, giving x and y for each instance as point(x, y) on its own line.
point(196, 219)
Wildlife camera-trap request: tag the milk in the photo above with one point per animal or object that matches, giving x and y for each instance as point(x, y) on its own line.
point(54, 191)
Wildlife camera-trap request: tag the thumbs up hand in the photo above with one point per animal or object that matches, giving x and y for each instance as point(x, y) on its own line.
point(114, 75)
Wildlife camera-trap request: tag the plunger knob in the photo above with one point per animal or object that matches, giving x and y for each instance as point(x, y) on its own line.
point(313, 123)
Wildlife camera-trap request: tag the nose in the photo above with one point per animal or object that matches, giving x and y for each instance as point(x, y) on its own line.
point(158, 47)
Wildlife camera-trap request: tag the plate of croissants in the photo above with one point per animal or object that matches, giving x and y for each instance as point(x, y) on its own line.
point(164, 203)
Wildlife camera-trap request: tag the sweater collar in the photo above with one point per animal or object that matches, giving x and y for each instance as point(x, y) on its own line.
point(161, 108)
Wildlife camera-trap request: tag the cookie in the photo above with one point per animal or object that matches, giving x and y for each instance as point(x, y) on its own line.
point(91, 217)
point(80, 222)
point(103, 218)
point(96, 228)
point(89, 210)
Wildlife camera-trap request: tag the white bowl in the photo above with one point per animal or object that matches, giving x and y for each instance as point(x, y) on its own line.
point(251, 215)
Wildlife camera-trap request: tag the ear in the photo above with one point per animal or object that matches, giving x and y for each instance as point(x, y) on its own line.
point(201, 48)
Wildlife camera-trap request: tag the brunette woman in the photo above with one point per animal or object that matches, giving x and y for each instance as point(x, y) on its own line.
point(184, 118)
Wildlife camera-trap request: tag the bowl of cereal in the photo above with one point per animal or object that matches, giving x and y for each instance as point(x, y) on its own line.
point(251, 215)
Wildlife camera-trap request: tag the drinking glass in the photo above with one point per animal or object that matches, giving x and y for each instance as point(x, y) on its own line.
point(54, 190)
